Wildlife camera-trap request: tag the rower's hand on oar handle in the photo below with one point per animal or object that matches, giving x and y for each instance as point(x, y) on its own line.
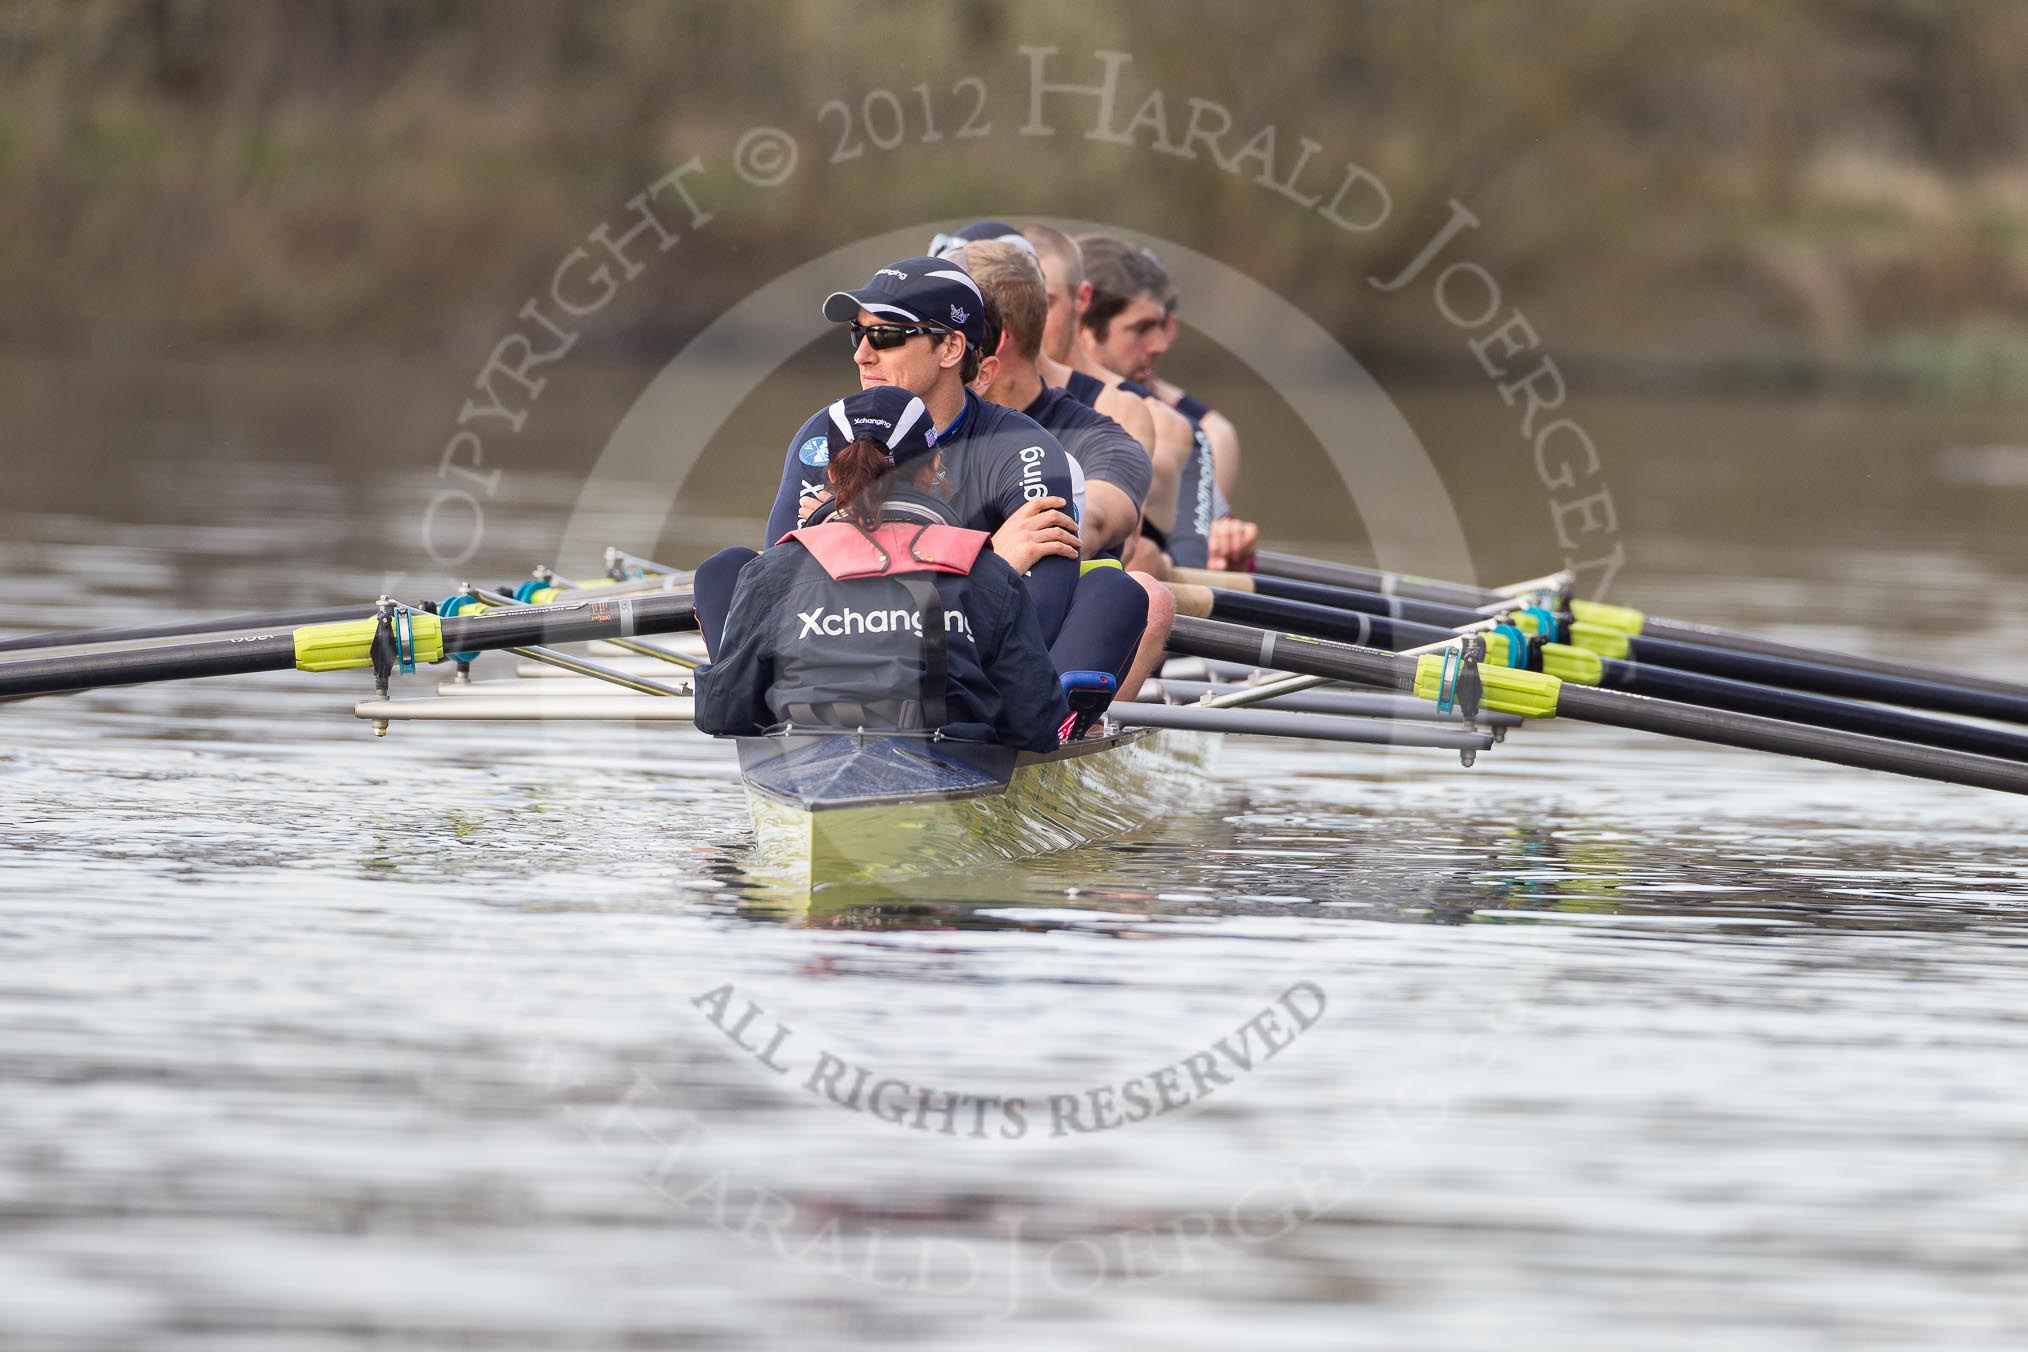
point(1039, 530)
point(1231, 543)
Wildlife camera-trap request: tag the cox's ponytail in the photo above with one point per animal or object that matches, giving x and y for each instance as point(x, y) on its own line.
point(861, 482)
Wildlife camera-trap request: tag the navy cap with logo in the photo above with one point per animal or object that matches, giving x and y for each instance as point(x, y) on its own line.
point(917, 291)
point(890, 418)
point(979, 232)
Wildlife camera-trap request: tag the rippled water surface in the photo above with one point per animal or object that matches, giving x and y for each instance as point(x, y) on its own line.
point(479, 1036)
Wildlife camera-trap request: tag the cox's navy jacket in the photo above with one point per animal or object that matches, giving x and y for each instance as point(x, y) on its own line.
point(799, 642)
point(997, 458)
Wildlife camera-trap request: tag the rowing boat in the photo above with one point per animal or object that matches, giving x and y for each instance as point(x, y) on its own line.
point(872, 808)
point(1302, 649)
point(848, 808)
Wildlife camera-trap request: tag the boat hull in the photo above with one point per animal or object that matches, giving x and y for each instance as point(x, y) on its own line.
point(1096, 790)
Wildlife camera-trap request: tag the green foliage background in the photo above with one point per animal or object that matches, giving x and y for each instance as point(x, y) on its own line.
point(1780, 192)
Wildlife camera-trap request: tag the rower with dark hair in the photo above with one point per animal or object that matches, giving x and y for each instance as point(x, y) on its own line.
point(886, 615)
point(1065, 361)
point(1128, 325)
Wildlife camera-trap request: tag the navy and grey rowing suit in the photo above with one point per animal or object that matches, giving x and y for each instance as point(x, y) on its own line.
point(1198, 501)
point(1084, 387)
point(915, 624)
point(997, 460)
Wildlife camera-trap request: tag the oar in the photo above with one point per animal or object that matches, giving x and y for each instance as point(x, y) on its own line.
point(1536, 694)
point(488, 597)
point(1830, 674)
point(1392, 584)
point(1584, 668)
point(393, 637)
point(634, 575)
point(135, 633)
point(1634, 623)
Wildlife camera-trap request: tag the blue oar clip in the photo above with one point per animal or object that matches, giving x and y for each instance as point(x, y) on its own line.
point(458, 605)
point(1447, 681)
point(525, 593)
point(1546, 623)
point(1518, 651)
point(404, 640)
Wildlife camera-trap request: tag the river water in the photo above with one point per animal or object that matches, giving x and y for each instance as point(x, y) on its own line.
point(479, 1036)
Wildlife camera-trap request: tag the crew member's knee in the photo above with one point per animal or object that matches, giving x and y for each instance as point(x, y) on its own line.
point(1120, 594)
point(712, 586)
point(1161, 605)
point(734, 557)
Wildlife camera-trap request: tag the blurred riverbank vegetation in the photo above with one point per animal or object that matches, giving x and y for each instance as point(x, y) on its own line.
point(1780, 195)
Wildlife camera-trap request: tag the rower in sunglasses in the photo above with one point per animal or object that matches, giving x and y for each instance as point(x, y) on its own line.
point(920, 325)
point(887, 615)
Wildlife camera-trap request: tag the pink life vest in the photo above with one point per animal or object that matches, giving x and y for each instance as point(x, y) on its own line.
point(894, 547)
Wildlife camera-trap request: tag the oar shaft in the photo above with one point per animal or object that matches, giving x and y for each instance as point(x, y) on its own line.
point(1253, 647)
point(1272, 569)
point(575, 621)
point(1318, 657)
point(1647, 677)
point(1346, 626)
point(1617, 709)
point(1365, 602)
point(1822, 678)
point(138, 666)
point(1372, 579)
point(662, 579)
point(1875, 720)
point(134, 633)
point(1679, 631)
point(1830, 674)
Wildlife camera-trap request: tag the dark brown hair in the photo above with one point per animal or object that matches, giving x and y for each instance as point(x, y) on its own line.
point(1118, 272)
point(862, 481)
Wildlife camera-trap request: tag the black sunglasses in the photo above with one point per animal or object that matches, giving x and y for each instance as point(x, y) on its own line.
point(881, 337)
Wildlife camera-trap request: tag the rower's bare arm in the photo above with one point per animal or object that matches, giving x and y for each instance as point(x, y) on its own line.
point(1130, 411)
point(1110, 516)
point(1224, 439)
point(1175, 443)
point(1040, 529)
